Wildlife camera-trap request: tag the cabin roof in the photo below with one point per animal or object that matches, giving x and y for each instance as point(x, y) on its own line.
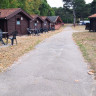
point(6, 12)
point(37, 16)
point(92, 16)
point(10, 12)
point(45, 17)
point(53, 18)
point(34, 16)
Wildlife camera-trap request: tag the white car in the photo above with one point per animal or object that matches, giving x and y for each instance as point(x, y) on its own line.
point(84, 22)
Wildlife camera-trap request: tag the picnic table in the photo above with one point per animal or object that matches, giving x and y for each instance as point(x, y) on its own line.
point(34, 31)
point(4, 35)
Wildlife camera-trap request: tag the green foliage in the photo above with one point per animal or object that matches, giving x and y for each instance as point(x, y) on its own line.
point(40, 7)
point(13, 3)
point(4, 4)
point(66, 15)
point(80, 9)
point(93, 7)
point(32, 6)
point(45, 9)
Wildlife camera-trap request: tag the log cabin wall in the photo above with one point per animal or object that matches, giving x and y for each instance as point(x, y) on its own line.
point(11, 25)
point(46, 24)
point(19, 23)
point(24, 25)
point(32, 24)
point(93, 24)
point(3, 25)
point(39, 23)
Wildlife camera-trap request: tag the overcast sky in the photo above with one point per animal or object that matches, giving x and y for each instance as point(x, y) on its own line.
point(59, 3)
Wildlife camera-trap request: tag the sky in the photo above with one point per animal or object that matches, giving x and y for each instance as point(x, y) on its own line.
point(59, 3)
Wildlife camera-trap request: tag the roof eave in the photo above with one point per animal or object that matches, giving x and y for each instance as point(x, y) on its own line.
point(40, 18)
point(91, 17)
point(48, 20)
point(2, 17)
point(17, 11)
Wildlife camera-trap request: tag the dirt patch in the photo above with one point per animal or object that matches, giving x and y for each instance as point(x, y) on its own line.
point(25, 43)
point(80, 28)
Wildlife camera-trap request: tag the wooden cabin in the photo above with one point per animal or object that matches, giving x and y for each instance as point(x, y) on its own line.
point(47, 22)
point(14, 19)
point(37, 22)
point(56, 22)
point(92, 23)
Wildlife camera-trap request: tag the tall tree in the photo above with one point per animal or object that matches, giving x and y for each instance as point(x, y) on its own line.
point(4, 4)
point(40, 7)
point(66, 15)
point(13, 3)
point(80, 8)
point(21, 4)
point(93, 7)
point(70, 4)
point(45, 9)
point(32, 6)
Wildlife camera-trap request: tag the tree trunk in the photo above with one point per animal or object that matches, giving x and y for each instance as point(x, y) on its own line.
point(74, 15)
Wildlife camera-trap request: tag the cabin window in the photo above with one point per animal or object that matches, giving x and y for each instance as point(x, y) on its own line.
point(18, 21)
point(45, 24)
point(35, 23)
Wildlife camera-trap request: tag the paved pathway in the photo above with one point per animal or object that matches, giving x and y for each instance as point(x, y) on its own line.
point(55, 68)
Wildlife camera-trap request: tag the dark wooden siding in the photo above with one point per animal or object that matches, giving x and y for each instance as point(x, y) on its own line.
point(11, 25)
point(32, 24)
point(24, 25)
point(93, 24)
point(47, 24)
point(39, 24)
point(3, 25)
point(22, 28)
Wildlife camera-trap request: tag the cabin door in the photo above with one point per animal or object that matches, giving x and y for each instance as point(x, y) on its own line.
point(18, 26)
point(2, 25)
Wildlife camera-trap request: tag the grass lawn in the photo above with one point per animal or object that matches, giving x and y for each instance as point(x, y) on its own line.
point(25, 43)
point(87, 43)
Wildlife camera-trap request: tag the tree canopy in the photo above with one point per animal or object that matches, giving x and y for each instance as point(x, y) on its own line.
point(45, 9)
point(40, 7)
point(75, 10)
point(72, 8)
point(93, 7)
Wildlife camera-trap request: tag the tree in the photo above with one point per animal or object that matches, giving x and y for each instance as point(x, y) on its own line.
point(40, 7)
point(21, 4)
point(87, 11)
point(51, 12)
point(80, 8)
point(4, 4)
point(32, 6)
point(93, 7)
point(45, 9)
point(9, 4)
point(66, 15)
point(13, 3)
point(70, 4)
